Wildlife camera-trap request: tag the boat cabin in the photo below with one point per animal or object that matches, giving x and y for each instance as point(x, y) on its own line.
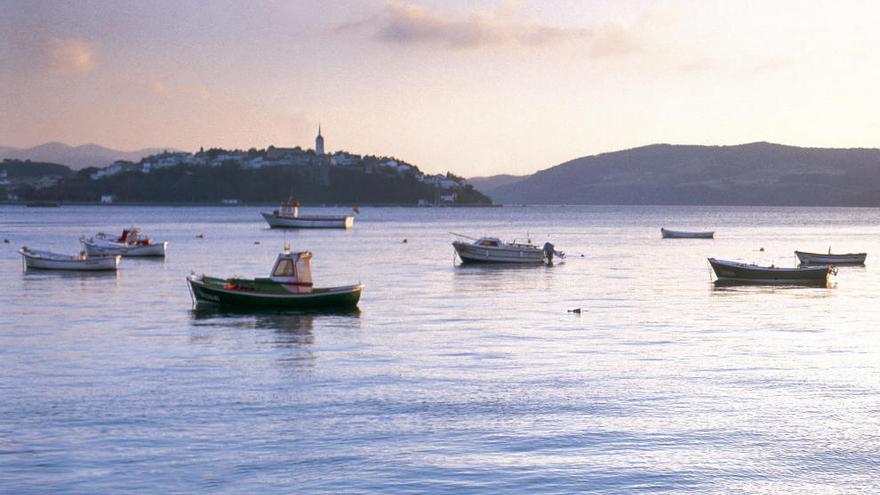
point(488, 242)
point(293, 269)
point(289, 209)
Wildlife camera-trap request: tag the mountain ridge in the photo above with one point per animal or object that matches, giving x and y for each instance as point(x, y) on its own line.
point(758, 173)
point(76, 157)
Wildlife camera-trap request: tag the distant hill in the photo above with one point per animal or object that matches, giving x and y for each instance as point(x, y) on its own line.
point(20, 169)
point(750, 174)
point(76, 157)
point(488, 184)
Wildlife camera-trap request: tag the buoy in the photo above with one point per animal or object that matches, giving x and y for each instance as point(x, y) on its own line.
point(200, 236)
point(762, 250)
point(405, 241)
point(256, 242)
point(5, 241)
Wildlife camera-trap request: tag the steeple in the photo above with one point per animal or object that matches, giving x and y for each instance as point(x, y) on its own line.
point(319, 143)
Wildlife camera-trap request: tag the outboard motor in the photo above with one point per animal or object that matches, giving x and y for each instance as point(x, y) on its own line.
point(548, 252)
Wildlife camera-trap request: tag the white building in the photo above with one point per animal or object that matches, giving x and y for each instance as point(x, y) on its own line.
point(106, 199)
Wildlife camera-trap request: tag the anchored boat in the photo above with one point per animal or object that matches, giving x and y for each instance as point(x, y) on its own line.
point(680, 234)
point(732, 271)
point(46, 260)
point(493, 250)
point(831, 259)
point(289, 285)
point(132, 242)
point(287, 216)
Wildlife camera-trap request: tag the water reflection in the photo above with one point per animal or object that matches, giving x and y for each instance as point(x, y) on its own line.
point(291, 328)
point(745, 286)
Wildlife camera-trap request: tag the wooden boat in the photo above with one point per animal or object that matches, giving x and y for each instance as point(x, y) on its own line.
point(732, 271)
point(45, 260)
point(288, 217)
point(831, 259)
point(493, 250)
point(679, 234)
point(131, 243)
point(289, 286)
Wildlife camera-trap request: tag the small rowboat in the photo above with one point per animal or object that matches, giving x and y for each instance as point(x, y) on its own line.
point(680, 234)
point(132, 243)
point(831, 259)
point(288, 217)
point(732, 271)
point(45, 260)
point(289, 286)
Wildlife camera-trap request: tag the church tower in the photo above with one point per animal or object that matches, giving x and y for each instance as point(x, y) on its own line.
point(319, 143)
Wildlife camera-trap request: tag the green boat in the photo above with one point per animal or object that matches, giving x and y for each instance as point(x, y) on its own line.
point(289, 286)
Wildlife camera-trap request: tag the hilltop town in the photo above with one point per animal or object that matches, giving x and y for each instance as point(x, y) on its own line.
point(254, 175)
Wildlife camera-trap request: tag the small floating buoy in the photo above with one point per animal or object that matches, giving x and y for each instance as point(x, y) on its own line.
point(576, 310)
point(5, 241)
point(256, 242)
point(405, 241)
point(200, 236)
point(761, 249)
point(582, 256)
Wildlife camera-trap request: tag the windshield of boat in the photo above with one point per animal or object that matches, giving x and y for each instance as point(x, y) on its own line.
point(284, 268)
point(488, 242)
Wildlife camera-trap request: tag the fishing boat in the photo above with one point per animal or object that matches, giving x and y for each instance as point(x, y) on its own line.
point(288, 217)
point(131, 243)
point(732, 271)
point(680, 234)
point(289, 285)
point(831, 259)
point(494, 250)
point(46, 260)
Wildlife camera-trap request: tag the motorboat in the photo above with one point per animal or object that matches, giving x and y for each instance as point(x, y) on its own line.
point(289, 286)
point(732, 271)
point(287, 217)
point(46, 260)
point(132, 242)
point(680, 234)
point(831, 259)
point(494, 250)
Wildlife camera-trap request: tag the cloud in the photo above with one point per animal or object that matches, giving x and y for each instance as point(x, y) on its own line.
point(71, 55)
point(407, 24)
point(159, 87)
point(772, 65)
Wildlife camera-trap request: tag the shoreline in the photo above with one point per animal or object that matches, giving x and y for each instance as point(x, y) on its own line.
point(56, 204)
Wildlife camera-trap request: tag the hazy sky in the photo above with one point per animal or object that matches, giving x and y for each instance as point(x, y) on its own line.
point(475, 87)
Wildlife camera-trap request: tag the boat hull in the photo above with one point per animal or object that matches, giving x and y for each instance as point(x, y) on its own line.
point(831, 259)
point(330, 298)
point(469, 253)
point(731, 271)
point(103, 263)
point(113, 249)
point(308, 222)
point(676, 234)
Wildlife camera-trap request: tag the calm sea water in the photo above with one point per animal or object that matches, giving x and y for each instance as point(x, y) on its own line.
point(450, 379)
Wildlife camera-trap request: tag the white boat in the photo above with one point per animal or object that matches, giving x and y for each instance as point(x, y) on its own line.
point(288, 217)
point(831, 259)
point(45, 260)
point(681, 234)
point(493, 250)
point(131, 243)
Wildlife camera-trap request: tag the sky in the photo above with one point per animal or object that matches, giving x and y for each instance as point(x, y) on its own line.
point(473, 87)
